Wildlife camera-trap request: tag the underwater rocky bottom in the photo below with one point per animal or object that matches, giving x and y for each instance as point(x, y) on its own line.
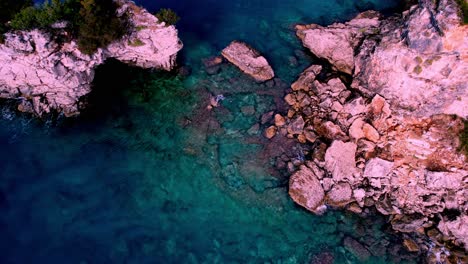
point(150, 175)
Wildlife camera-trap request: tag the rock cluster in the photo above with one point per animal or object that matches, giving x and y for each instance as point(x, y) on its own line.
point(248, 60)
point(45, 74)
point(385, 123)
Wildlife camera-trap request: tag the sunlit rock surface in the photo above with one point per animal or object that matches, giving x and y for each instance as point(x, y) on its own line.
point(45, 75)
point(391, 132)
point(248, 60)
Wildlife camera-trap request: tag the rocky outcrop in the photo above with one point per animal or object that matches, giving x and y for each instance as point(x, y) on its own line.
point(336, 43)
point(427, 47)
point(249, 61)
point(388, 137)
point(46, 75)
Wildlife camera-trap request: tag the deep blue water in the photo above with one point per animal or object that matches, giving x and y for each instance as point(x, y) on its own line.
point(149, 175)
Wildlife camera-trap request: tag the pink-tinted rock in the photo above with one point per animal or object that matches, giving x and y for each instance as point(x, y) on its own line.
point(340, 194)
point(54, 77)
point(337, 42)
point(279, 120)
point(248, 60)
point(306, 190)
point(270, 132)
point(370, 133)
point(296, 126)
point(340, 160)
point(306, 78)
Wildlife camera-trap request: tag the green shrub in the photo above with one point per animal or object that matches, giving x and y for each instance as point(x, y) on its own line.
point(168, 16)
point(93, 23)
point(41, 16)
point(464, 138)
point(99, 25)
point(136, 43)
point(418, 69)
point(464, 10)
point(8, 8)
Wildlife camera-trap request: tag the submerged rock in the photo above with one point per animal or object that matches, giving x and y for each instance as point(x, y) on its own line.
point(357, 249)
point(54, 76)
point(248, 60)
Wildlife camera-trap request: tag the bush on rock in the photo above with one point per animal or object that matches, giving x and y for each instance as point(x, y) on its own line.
point(168, 16)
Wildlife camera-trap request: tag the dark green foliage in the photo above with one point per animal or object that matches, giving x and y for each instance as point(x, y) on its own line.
point(464, 138)
point(98, 25)
point(8, 8)
point(93, 23)
point(168, 16)
point(464, 9)
point(31, 17)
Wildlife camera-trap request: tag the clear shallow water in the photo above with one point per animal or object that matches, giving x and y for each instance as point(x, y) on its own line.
point(149, 175)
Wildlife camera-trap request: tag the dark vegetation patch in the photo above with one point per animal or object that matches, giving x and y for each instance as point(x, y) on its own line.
point(464, 139)
point(93, 23)
point(168, 16)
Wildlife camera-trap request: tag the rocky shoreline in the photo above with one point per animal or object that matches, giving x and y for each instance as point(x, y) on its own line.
point(381, 116)
point(384, 115)
point(47, 75)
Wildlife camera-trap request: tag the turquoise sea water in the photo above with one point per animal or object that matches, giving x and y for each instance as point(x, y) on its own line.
point(149, 175)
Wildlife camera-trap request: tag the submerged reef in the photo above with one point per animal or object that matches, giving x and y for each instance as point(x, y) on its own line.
point(46, 73)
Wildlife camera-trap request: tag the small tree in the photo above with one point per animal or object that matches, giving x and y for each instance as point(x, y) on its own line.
point(168, 16)
point(464, 10)
point(9, 8)
point(38, 17)
point(98, 25)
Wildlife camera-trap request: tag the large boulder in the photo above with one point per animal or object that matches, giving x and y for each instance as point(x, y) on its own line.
point(248, 60)
point(336, 43)
point(306, 190)
point(340, 161)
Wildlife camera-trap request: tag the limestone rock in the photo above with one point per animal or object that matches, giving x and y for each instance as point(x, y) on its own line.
point(340, 194)
point(306, 190)
point(355, 131)
point(340, 160)
point(403, 113)
point(370, 133)
point(49, 76)
point(376, 169)
point(248, 60)
point(337, 42)
point(306, 78)
point(456, 229)
point(425, 56)
point(296, 126)
point(270, 132)
point(279, 120)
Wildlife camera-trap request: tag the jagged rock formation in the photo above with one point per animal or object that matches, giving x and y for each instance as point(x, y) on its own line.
point(389, 137)
point(45, 75)
point(248, 60)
